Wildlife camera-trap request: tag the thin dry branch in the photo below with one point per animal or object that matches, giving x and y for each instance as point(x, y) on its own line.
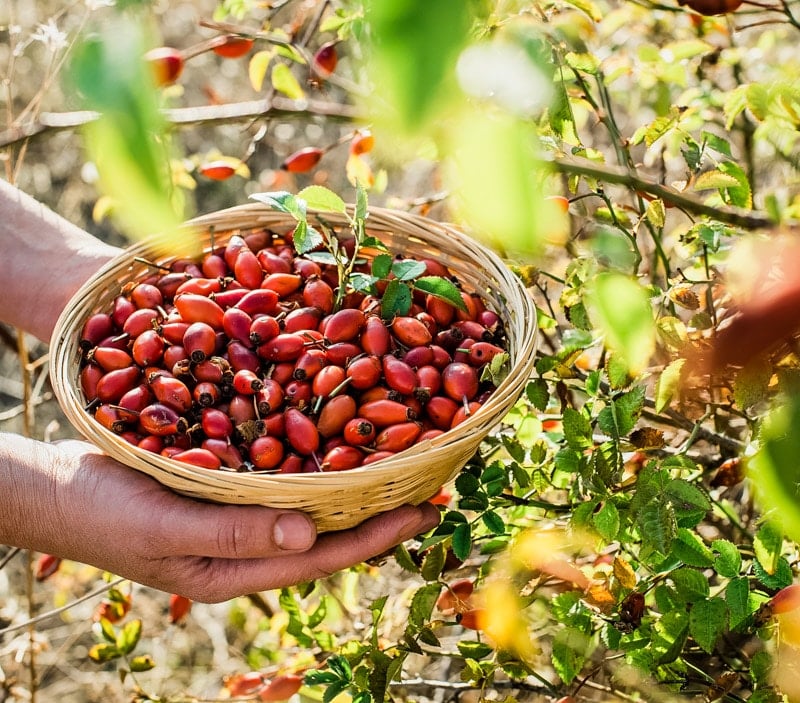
point(738, 217)
point(187, 116)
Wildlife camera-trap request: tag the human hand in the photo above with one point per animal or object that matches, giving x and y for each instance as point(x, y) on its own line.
point(99, 512)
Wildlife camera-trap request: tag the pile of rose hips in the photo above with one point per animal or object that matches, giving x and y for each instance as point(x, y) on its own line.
point(241, 361)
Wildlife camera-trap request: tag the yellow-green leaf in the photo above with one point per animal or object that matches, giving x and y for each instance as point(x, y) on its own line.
point(283, 81)
point(622, 311)
point(667, 384)
point(714, 180)
point(257, 68)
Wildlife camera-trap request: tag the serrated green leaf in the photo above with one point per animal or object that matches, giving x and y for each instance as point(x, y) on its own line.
point(305, 237)
point(621, 308)
point(396, 300)
point(577, 429)
point(537, 393)
point(408, 269)
point(619, 417)
point(668, 383)
point(656, 213)
point(467, 484)
point(282, 201)
point(690, 549)
point(741, 194)
point(474, 650)
point(494, 523)
point(687, 498)
point(382, 265)
point(768, 546)
point(362, 282)
point(714, 180)
point(717, 143)
point(128, 636)
point(669, 636)
point(780, 578)
point(584, 62)
point(441, 288)
point(322, 198)
point(652, 132)
point(334, 690)
point(323, 257)
point(427, 636)
point(737, 596)
point(606, 521)
point(728, 563)
point(433, 563)
point(708, 619)
point(422, 603)
point(284, 81)
point(657, 525)
point(735, 103)
point(690, 584)
point(618, 373)
point(757, 100)
point(569, 653)
point(403, 558)
point(462, 541)
point(315, 677)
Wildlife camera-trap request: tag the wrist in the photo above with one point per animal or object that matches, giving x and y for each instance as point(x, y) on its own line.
point(28, 487)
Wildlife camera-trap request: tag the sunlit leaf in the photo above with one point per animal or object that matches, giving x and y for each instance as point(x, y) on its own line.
point(729, 560)
point(622, 311)
point(495, 175)
point(412, 58)
point(127, 142)
point(257, 68)
point(570, 650)
point(441, 288)
point(321, 198)
point(768, 544)
point(284, 81)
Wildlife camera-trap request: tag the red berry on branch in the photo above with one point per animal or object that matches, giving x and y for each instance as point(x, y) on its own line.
point(166, 64)
point(217, 170)
point(325, 60)
point(302, 160)
point(233, 46)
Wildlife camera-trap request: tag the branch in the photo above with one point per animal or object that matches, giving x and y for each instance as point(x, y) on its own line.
point(738, 217)
point(185, 116)
point(461, 686)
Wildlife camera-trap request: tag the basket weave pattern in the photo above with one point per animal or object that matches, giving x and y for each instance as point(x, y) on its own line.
point(336, 500)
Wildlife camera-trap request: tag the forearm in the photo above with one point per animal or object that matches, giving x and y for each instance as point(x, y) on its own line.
point(43, 260)
point(28, 489)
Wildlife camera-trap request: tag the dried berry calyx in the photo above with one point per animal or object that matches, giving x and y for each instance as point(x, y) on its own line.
point(302, 350)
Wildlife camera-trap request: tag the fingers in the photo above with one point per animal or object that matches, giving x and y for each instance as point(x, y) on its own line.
point(190, 527)
point(332, 552)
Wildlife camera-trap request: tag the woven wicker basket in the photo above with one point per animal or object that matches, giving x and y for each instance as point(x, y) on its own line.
point(336, 500)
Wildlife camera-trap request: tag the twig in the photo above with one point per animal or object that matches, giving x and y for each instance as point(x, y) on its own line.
point(738, 217)
point(9, 556)
point(58, 611)
point(185, 116)
point(459, 686)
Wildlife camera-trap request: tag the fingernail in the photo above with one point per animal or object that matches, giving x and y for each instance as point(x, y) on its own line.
point(293, 531)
